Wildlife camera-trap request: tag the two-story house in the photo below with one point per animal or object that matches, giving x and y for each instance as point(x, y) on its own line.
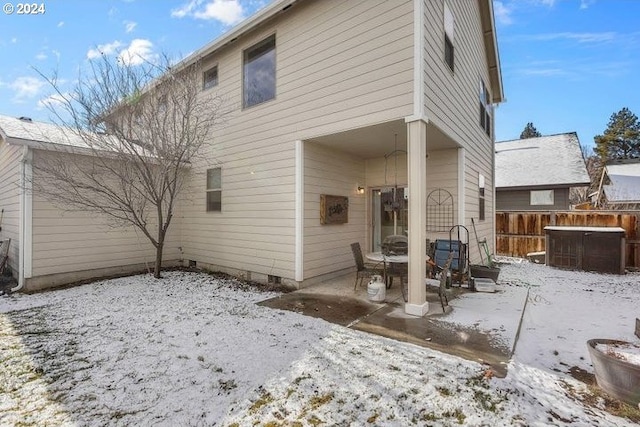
point(344, 117)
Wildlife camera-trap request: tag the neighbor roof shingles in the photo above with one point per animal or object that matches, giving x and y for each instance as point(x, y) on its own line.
point(553, 160)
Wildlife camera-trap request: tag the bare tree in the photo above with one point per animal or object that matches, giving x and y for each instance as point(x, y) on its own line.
point(579, 195)
point(133, 128)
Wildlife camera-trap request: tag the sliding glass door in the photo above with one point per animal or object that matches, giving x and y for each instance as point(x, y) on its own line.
point(389, 214)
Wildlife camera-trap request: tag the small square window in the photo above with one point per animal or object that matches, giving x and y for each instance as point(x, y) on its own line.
point(210, 78)
point(214, 190)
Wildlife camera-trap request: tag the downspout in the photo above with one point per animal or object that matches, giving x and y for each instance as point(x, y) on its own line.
point(25, 208)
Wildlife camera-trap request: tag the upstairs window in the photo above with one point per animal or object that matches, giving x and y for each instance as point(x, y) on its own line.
point(449, 25)
point(485, 109)
point(214, 190)
point(259, 72)
point(210, 78)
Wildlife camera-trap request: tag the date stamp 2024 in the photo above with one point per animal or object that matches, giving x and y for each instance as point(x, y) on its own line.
point(24, 8)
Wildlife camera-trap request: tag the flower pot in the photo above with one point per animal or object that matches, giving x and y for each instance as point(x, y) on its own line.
point(616, 376)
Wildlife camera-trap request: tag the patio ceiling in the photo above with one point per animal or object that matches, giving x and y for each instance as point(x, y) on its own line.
point(375, 141)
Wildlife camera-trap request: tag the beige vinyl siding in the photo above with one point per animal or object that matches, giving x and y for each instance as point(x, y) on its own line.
point(73, 241)
point(452, 99)
point(327, 247)
point(377, 177)
point(339, 66)
point(442, 172)
point(10, 200)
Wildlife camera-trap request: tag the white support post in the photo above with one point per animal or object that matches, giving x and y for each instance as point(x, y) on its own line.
point(417, 304)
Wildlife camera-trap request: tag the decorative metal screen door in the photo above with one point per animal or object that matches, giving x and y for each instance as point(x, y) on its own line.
point(439, 210)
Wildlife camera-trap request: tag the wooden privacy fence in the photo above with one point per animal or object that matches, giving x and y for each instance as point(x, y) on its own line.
point(519, 233)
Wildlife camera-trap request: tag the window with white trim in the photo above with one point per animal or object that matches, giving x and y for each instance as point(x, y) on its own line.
point(541, 198)
point(214, 190)
point(449, 26)
point(259, 72)
point(481, 198)
point(486, 109)
point(210, 78)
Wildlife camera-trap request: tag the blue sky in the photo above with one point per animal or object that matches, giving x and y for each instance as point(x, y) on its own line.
point(567, 65)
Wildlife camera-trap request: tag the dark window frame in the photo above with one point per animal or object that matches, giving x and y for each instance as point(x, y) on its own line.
point(481, 198)
point(449, 52)
point(207, 81)
point(261, 54)
point(485, 109)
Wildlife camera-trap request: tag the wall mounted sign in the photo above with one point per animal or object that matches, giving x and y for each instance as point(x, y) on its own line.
point(334, 209)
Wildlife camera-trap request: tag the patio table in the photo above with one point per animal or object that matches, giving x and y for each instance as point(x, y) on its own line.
point(391, 259)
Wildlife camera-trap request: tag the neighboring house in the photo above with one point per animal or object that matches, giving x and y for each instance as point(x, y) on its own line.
point(620, 185)
point(536, 174)
point(379, 103)
point(50, 247)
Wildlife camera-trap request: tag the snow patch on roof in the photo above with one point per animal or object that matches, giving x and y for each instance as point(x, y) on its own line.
point(543, 161)
point(625, 183)
point(26, 132)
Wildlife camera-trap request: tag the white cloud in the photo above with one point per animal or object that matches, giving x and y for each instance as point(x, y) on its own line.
point(584, 4)
point(185, 9)
point(52, 101)
point(139, 51)
point(129, 26)
point(579, 37)
point(26, 87)
point(14, 40)
point(228, 12)
point(41, 56)
point(103, 49)
point(60, 24)
point(502, 13)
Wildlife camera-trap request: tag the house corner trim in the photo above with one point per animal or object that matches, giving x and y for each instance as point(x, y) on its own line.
point(299, 211)
point(26, 218)
point(418, 58)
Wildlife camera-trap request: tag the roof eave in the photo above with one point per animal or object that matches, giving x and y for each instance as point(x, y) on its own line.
point(491, 49)
point(543, 186)
point(239, 30)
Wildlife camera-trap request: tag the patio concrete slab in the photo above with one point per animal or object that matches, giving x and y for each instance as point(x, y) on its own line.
point(336, 301)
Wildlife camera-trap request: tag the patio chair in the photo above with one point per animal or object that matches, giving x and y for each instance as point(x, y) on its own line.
point(4, 254)
point(442, 288)
point(363, 269)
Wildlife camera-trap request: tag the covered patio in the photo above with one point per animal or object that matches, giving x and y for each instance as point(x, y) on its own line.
point(336, 301)
point(390, 171)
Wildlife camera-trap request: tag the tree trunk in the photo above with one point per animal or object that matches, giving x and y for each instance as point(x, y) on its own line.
point(159, 248)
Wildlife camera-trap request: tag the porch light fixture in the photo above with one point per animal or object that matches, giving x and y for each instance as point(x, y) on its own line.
point(360, 190)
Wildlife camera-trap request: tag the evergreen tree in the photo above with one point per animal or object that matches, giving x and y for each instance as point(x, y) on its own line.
point(621, 139)
point(530, 131)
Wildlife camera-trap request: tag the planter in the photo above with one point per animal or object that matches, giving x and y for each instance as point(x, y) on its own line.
point(617, 377)
point(478, 270)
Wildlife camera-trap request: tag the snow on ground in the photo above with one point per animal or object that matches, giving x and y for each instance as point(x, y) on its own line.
point(191, 349)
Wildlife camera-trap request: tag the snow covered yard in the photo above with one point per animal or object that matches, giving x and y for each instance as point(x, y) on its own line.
point(192, 349)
